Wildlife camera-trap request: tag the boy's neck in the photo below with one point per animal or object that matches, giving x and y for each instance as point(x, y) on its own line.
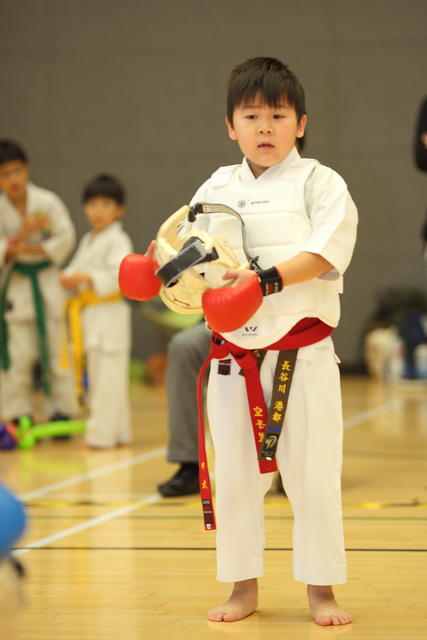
point(257, 170)
point(97, 231)
point(20, 202)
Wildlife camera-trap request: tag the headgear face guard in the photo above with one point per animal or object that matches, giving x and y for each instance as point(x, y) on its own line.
point(181, 255)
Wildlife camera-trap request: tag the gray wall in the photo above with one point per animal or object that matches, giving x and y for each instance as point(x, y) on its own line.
point(137, 88)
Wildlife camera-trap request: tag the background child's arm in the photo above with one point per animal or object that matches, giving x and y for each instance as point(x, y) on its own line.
point(16, 246)
point(32, 223)
point(71, 281)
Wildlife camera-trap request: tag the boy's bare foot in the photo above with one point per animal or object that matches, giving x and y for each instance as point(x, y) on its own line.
point(324, 608)
point(242, 602)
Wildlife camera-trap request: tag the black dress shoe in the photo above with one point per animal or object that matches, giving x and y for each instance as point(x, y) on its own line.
point(183, 483)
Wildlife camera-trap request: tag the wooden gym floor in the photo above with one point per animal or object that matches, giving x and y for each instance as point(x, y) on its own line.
point(107, 558)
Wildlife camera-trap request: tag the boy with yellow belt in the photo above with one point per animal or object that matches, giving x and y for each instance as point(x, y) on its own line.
point(100, 318)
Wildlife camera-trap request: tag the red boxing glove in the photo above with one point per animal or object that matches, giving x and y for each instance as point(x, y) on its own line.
point(137, 278)
point(229, 308)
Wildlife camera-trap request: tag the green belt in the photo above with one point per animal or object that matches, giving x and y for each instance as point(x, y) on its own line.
point(30, 270)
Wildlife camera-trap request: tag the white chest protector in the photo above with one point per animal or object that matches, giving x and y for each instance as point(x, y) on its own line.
point(277, 227)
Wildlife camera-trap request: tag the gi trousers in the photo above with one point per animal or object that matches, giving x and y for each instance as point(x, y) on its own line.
point(17, 381)
point(309, 458)
point(108, 423)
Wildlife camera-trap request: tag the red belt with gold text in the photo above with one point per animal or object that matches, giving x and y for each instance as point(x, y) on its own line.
point(266, 426)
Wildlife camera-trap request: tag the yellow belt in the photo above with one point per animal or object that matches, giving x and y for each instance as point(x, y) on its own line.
point(73, 322)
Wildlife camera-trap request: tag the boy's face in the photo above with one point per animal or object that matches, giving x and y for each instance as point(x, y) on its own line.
point(13, 179)
point(101, 211)
point(265, 134)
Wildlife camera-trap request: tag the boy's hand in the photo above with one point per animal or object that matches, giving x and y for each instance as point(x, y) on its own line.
point(151, 248)
point(13, 247)
point(38, 221)
point(238, 275)
point(71, 281)
point(16, 245)
point(229, 308)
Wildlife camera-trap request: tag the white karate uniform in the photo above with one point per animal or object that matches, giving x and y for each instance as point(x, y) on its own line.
point(297, 205)
point(107, 337)
point(57, 241)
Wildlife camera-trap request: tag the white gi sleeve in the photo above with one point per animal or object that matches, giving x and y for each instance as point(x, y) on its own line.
point(105, 277)
point(62, 239)
point(333, 216)
point(77, 261)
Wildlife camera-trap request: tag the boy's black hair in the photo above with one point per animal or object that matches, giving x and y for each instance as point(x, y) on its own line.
point(104, 185)
point(269, 78)
point(10, 151)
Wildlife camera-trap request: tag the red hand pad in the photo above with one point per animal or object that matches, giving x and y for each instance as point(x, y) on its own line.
point(137, 279)
point(229, 308)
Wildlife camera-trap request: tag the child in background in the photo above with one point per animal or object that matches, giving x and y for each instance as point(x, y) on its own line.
point(36, 237)
point(105, 317)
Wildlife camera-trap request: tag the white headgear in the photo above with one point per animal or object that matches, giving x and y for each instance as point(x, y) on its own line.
point(179, 255)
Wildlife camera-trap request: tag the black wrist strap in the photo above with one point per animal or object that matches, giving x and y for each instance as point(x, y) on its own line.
point(270, 281)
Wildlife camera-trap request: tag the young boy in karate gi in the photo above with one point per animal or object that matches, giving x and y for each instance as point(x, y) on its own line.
point(300, 228)
point(301, 224)
point(105, 317)
point(36, 237)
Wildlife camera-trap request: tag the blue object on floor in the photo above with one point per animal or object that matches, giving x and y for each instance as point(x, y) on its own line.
point(12, 520)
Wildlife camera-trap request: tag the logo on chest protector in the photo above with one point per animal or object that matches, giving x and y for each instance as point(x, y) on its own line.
point(252, 330)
